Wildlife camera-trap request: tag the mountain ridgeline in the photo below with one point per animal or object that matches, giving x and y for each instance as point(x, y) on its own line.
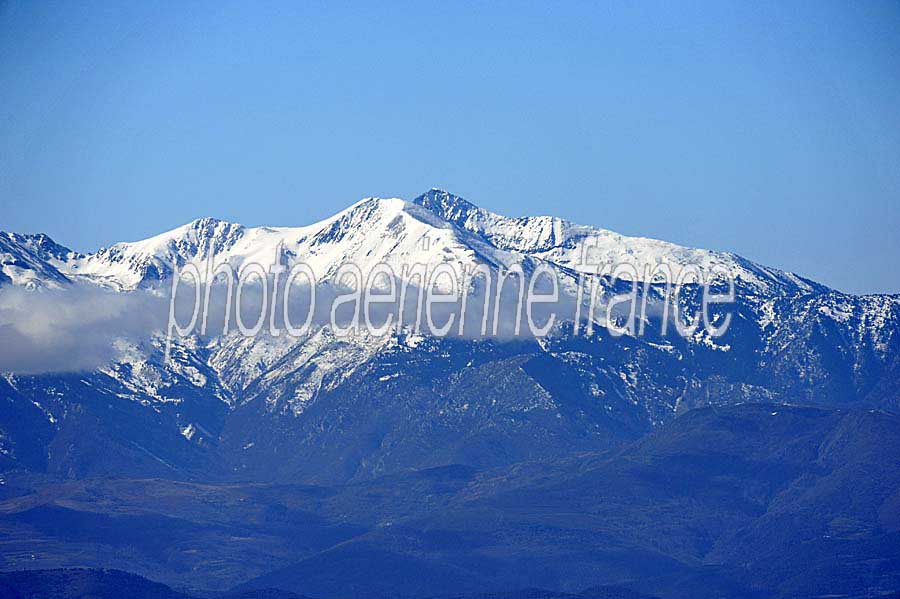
point(331, 409)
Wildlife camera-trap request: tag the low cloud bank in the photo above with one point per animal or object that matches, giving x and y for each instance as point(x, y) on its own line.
point(73, 329)
point(77, 328)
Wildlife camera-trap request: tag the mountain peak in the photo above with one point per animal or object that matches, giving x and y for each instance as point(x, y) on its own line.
point(446, 205)
point(40, 243)
point(209, 227)
point(206, 221)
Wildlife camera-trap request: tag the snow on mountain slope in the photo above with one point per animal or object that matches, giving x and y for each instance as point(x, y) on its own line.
point(291, 372)
point(29, 260)
point(143, 263)
point(587, 249)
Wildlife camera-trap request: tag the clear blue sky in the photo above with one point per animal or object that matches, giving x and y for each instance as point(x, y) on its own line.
point(771, 130)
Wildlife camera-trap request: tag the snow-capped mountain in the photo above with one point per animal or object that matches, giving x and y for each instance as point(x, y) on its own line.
point(436, 227)
point(321, 407)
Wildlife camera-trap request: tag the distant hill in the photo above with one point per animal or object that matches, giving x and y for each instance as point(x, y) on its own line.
point(81, 583)
point(86, 583)
point(762, 501)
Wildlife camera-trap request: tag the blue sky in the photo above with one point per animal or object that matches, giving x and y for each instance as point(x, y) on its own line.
point(770, 129)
